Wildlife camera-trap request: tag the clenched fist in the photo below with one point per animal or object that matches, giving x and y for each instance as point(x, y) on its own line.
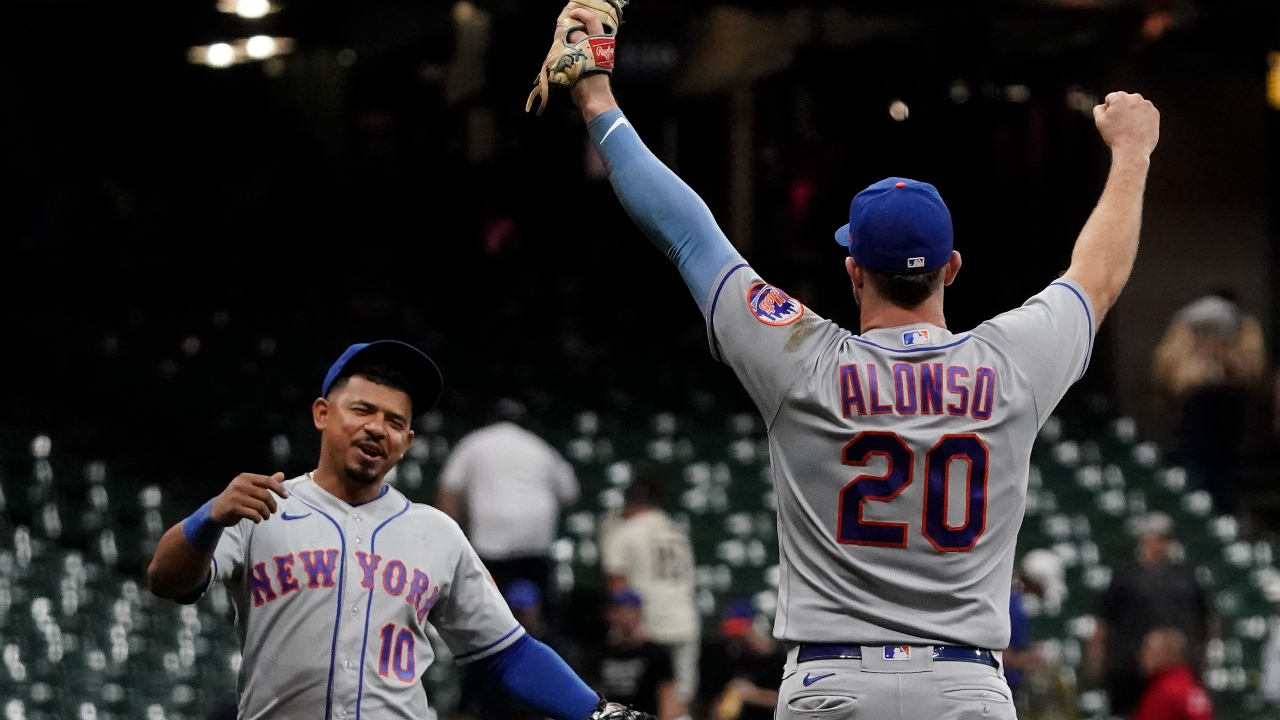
point(248, 496)
point(1128, 123)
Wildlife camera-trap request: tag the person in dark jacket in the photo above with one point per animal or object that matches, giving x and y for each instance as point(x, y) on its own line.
point(1151, 593)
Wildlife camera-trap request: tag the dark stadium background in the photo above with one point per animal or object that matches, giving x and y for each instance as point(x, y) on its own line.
point(147, 200)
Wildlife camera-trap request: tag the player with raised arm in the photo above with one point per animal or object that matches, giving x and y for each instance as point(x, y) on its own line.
point(899, 455)
point(335, 576)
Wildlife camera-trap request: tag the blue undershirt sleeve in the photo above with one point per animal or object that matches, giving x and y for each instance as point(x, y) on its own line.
point(668, 211)
point(535, 674)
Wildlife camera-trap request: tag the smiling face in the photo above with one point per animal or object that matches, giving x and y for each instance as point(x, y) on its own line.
point(364, 428)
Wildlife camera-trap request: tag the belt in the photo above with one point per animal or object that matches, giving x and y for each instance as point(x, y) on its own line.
point(946, 653)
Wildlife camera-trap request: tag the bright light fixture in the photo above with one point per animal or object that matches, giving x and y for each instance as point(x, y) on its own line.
point(219, 55)
point(899, 111)
point(252, 9)
point(248, 9)
point(260, 47)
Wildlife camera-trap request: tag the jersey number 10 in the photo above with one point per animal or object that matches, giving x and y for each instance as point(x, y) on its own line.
point(851, 529)
point(396, 654)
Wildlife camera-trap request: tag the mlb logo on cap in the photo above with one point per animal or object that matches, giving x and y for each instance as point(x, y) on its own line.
point(898, 225)
point(897, 652)
point(912, 338)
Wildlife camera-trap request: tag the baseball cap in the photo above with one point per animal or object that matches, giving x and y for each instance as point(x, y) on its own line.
point(522, 594)
point(626, 597)
point(738, 618)
point(425, 381)
point(898, 226)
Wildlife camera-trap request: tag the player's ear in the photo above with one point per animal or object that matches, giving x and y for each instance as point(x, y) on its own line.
point(320, 413)
point(855, 272)
point(953, 268)
point(408, 443)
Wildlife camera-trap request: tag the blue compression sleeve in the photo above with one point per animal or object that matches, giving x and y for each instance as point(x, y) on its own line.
point(200, 529)
point(668, 211)
point(536, 675)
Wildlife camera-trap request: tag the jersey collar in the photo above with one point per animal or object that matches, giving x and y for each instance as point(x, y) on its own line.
point(313, 493)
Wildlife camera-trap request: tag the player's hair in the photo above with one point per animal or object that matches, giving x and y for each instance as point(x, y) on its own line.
point(907, 291)
point(384, 375)
point(645, 489)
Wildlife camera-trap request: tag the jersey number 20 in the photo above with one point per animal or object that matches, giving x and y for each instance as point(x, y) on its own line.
point(851, 529)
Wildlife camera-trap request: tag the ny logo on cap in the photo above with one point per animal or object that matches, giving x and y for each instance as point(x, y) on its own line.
point(915, 262)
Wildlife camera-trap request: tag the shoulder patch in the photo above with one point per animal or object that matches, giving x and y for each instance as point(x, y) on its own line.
point(771, 306)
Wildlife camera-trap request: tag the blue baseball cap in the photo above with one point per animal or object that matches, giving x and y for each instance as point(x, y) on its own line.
point(627, 597)
point(425, 381)
point(898, 226)
point(522, 594)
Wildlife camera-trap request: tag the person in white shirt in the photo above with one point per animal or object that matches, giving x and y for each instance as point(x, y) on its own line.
point(649, 552)
point(506, 485)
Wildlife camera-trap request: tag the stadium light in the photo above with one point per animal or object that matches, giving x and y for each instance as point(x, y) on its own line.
point(225, 54)
point(248, 9)
point(260, 47)
point(219, 55)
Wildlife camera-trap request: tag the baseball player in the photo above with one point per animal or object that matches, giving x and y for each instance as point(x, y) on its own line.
point(899, 455)
point(335, 575)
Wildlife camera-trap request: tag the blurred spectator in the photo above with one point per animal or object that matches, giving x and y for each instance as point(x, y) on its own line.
point(1270, 684)
point(524, 597)
point(511, 484)
point(1041, 689)
point(1172, 691)
point(1021, 655)
point(749, 669)
point(1153, 592)
point(1209, 358)
point(631, 669)
point(483, 695)
point(649, 552)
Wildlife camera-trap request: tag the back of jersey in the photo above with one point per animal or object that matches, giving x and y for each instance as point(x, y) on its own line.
point(899, 458)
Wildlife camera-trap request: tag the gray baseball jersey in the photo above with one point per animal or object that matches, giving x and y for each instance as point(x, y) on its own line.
point(899, 457)
point(333, 604)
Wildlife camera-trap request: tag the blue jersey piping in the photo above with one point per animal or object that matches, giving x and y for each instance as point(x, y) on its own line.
point(910, 350)
point(364, 646)
point(337, 618)
point(1089, 316)
point(490, 646)
point(711, 316)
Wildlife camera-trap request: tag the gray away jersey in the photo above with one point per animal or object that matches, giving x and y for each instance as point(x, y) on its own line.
point(899, 457)
point(333, 604)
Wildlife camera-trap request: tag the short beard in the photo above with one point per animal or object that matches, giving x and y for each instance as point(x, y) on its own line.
point(363, 476)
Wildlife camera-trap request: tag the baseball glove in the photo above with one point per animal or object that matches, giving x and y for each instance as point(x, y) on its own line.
point(565, 63)
point(606, 710)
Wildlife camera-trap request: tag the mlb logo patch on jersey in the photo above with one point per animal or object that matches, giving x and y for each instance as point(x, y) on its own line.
point(771, 306)
point(897, 652)
point(912, 338)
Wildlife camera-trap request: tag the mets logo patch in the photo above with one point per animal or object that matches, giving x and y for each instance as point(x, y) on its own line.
point(771, 306)
point(897, 652)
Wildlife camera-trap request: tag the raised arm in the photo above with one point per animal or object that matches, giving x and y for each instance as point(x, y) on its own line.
point(180, 565)
point(1105, 251)
point(669, 212)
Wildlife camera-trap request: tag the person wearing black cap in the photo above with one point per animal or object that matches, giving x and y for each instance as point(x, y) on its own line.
point(337, 577)
point(900, 455)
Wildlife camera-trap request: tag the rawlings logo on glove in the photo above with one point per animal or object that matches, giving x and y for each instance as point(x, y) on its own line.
point(567, 63)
